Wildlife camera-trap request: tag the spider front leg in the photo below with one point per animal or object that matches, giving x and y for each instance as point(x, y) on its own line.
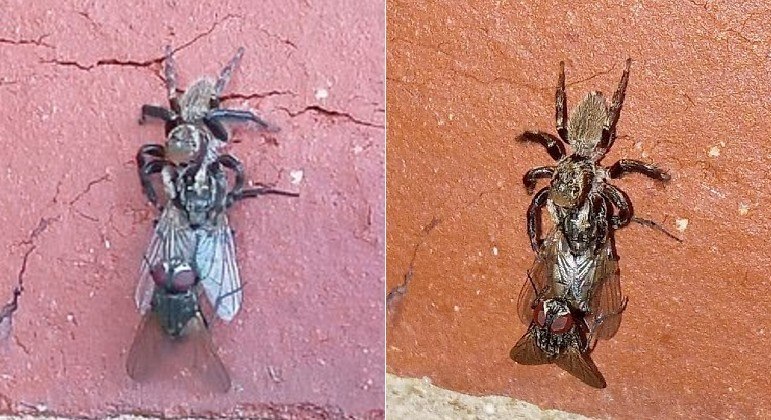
point(238, 192)
point(625, 166)
point(158, 112)
point(534, 218)
point(562, 106)
point(170, 73)
point(145, 172)
point(225, 75)
point(532, 176)
point(614, 112)
point(619, 199)
point(552, 144)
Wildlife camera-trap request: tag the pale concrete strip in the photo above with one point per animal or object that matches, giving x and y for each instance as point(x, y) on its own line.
point(411, 398)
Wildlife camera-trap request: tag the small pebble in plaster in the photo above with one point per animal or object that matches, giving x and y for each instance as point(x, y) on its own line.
point(714, 152)
point(489, 409)
point(70, 318)
point(321, 94)
point(456, 308)
point(107, 243)
point(495, 251)
point(743, 209)
point(682, 224)
point(451, 117)
point(297, 176)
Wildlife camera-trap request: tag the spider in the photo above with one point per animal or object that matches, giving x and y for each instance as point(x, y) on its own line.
point(579, 197)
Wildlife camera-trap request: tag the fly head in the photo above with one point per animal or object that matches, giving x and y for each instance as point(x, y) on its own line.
point(174, 276)
point(555, 327)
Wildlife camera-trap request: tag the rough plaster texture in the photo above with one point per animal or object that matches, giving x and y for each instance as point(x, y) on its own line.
point(412, 398)
point(463, 81)
point(72, 79)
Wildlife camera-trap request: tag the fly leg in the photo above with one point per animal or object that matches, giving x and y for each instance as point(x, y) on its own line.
point(609, 128)
point(225, 75)
point(147, 167)
point(552, 144)
point(619, 199)
point(562, 106)
point(532, 176)
point(534, 218)
point(625, 166)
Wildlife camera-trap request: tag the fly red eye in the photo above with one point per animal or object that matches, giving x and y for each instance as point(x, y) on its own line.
point(561, 324)
point(159, 275)
point(183, 280)
point(539, 316)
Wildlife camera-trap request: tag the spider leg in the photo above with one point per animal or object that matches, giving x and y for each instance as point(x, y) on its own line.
point(217, 129)
point(609, 129)
point(534, 218)
point(145, 171)
point(170, 73)
point(235, 114)
point(532, 176)
point(553, 145)
point(625, 166)
point(158, 112)
point(562, 106)
point(261, 189)
point(225, 75)
point(619, 199)
point(152, 150)
point(235, 165)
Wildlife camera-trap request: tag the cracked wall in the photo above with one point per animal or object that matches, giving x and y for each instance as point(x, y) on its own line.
point(309, 338)
point(464, 81)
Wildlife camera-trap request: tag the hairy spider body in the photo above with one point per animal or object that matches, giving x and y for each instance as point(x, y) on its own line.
point(579, 198)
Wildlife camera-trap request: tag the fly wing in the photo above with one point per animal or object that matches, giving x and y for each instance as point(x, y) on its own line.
point(526, 351)
point(607, 303)
point(580, 365)
point(146, 355)
point(540, 277)
point(215, 258)
point(172, 237)
point(205, 358)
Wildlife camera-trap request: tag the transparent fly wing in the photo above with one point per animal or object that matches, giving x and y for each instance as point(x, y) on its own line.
point(539, 277)
point(172, 238)
point(526, 352)
point(607, 302)
point(215, 259)
point(205, 359)
point(155, 355)
point(580, 365)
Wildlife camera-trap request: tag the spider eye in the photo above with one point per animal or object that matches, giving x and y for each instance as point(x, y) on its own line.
point(561, 324)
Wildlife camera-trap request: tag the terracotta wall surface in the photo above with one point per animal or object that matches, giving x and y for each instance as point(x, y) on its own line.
point(73, 76)
point(465, 78)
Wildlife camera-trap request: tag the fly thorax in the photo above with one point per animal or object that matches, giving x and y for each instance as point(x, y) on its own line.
point(586, 123)
point(185, 142)
point(174, 310)
point(196, 102)
point(571, 182)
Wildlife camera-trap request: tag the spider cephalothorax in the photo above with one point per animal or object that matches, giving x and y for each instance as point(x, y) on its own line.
point(579, 189)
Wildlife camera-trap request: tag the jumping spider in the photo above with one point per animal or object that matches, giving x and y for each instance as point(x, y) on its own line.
point(194, 129)
point(579, 197)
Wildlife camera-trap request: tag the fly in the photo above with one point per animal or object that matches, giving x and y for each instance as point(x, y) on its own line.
point(175, 329)
point(194, 226)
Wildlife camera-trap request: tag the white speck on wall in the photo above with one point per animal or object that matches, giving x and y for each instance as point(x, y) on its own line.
point(296, 176)
point(321, 94)
point(682, 224)
point(489, 409)
point(70, 317)
point(456, 308)
point(495, 251)
point(451, 117)
point(713, 152)
point(107, 243)
point(744, 209)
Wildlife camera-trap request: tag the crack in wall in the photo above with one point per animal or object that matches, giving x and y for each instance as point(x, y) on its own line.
point(317, 109)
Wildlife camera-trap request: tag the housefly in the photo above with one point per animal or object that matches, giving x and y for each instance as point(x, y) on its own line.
point(194, 124)
point(194, 226)
point(174, 329)
point(569, 301)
